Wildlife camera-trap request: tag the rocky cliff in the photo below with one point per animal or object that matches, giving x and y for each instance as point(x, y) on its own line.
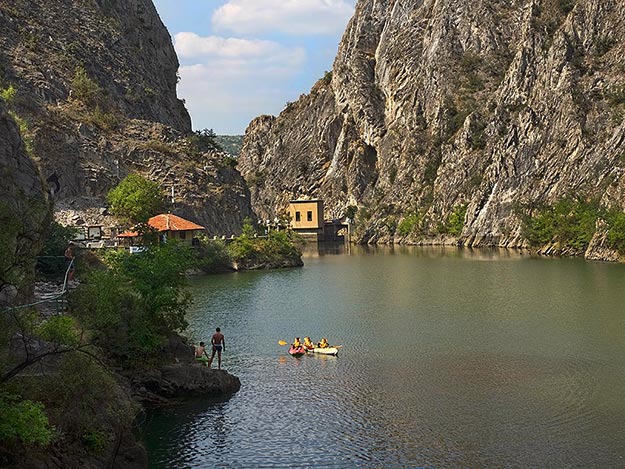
point(24, 214)
point(94, 86)
point(438, 109)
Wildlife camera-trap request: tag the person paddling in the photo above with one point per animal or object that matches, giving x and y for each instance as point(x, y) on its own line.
point(308, 344)
point(200, 354)
point(219, 342)
point(324, 343)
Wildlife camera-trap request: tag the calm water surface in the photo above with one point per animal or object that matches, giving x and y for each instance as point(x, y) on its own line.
point(450, 358)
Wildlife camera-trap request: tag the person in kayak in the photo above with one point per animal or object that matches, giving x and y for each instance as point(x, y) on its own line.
point(296, 343)
point(323, 343)
point(308, 344)
point(200, 353)
point(219, 342)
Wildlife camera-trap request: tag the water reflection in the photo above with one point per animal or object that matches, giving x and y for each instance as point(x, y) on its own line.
point(312, 250)
point(448, 361)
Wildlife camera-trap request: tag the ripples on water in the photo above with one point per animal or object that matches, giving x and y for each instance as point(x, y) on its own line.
point(448, 361)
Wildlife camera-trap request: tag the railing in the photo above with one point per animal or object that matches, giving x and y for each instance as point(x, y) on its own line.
point(57, 298)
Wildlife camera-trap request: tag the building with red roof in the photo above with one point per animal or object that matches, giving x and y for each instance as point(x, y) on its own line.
point(170, 226)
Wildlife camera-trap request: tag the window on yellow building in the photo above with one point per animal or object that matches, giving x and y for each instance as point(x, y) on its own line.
point(309, 215)
point(298, 217)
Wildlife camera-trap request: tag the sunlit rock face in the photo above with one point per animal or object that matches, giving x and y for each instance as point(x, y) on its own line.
point(437, 105)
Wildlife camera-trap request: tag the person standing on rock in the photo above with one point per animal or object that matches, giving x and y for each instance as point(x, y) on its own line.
point(219, 342)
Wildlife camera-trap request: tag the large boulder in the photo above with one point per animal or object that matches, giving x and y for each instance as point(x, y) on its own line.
point(183, 380)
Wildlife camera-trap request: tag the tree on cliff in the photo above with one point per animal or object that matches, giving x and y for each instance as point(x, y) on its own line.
point(136, 199)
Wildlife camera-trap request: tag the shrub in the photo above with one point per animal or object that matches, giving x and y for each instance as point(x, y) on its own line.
point(455, 221)
point(84, 88)
point(616, 230)
point(95, 440)
point(204, 141)
point(103, 120)
point(211, 255)
point(408, 224)
point(23, 421)
point(8, 94)
point(570, 222)
point(351, 212)
point(277, 246)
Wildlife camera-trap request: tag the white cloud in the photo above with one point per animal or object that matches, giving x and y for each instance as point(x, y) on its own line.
point(227, 81)
point(224, 102)
point(296, 17)
point(191, 45)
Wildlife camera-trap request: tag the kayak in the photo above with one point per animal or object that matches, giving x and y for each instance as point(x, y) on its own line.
point(297, 352)
point(325, 350)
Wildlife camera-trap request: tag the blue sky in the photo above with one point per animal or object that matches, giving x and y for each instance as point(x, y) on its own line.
point(243, 58)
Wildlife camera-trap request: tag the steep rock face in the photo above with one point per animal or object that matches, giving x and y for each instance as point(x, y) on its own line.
point(95, 87)
point(439, 105)
point(122, 45)
point(24, 214)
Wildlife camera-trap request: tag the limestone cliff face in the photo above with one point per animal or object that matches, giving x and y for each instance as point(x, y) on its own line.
point(437, 105)
point(95, 86)
point(24, 214)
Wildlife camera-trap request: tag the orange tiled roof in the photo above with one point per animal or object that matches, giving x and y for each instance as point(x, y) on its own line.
point(169, 222)
point(165, 222)
point(128, 234)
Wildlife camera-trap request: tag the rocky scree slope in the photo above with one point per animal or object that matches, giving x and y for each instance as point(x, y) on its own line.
point(439, 109)
point(94, 86)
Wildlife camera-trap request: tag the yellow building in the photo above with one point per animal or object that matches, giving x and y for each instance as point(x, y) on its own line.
point(307, 217)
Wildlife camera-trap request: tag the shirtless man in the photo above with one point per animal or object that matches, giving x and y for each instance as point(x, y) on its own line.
point(219, 343)
point(201, 355)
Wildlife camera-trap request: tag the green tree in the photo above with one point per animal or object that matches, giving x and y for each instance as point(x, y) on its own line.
point(137, 302)
point(205, 140)
point(136, 199)
point(51, 261)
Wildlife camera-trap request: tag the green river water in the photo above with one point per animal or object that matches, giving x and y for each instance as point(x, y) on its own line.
point(450, 358)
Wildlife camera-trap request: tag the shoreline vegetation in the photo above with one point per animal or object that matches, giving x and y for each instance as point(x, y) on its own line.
point(73, 383)
point(572, 226)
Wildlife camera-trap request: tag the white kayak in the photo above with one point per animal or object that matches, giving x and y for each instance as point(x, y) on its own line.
point(325, 350)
